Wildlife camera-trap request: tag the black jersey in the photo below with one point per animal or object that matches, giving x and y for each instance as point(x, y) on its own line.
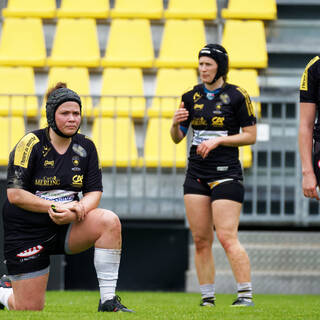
point(35, 166)
point(310, 89)
point(221, 115)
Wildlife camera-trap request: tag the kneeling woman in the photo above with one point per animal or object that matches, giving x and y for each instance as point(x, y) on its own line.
point(43, 214)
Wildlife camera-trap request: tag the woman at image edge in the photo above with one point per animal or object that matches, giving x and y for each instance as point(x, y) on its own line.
point(49, 167)
point(213, 189)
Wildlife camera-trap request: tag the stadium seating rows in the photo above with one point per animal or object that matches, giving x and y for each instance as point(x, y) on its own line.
point(129, 43)
point(128, 50)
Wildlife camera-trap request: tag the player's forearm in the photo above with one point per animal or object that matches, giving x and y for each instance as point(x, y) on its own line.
point(27, 200)
point(176, 134)
point(246, 137)
point(91, 200)
point(305, 148)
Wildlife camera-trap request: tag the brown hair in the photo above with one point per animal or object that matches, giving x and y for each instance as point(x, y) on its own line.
point(57, 86)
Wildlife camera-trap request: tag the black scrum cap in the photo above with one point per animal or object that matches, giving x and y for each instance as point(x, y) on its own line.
point(55, 99)
point(219, 54)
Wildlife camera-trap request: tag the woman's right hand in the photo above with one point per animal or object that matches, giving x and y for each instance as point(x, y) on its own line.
point(180, 115)
point(309, 185)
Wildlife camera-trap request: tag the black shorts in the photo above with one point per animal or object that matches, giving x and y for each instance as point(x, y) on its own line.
point(229, 189)
point(34, 255)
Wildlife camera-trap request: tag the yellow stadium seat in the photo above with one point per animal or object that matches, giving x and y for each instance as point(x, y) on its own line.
point(189, 9)
point(76, 79)
point(248, 9)
point(115, 141)
point(160, 150)
point(245, 156)
point(30, 9)
point(247, 79)
point(22, 43)
point(181, 42)
point(171, 84)
point(149, 9)
point(98, 9)
point(75, 44)
point(117, 87)
point(129, 44)
point(43, 123)
point(245, 42)
point(12, 130)
point(17, 92)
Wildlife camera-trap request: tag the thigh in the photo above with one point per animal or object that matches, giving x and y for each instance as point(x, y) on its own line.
point(84, 234)
point(29, 294)
point(199, 215)
point(226, 215)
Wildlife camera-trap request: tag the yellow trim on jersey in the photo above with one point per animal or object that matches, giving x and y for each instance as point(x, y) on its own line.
point(248, 101)
point(304, 78)
point(23, 150)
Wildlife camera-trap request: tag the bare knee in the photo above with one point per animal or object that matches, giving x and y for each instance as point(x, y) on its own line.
point(110, 222)
point(202, 243)
point(228, 241)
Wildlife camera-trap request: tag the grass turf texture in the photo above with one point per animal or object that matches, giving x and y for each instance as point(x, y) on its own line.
point(80, 305)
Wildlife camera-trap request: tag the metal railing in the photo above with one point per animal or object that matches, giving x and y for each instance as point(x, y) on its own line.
point(273, 182)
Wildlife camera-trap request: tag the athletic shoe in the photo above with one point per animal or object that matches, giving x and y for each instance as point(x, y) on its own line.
point(113, 305)
point(207, 302)
point(5, 282)
point(243, 302)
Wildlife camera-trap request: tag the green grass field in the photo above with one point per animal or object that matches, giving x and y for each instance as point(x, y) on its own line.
point(80, 305)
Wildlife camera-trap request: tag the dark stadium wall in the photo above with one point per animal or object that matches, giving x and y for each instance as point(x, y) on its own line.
point(154, 257)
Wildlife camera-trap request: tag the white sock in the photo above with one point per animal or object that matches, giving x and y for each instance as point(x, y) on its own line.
point(106, 262)
point(245, 290)
point(5, 293)
point(207, 290)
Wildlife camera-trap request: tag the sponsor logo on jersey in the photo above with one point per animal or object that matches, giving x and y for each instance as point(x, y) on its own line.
point(217, 121)
point(47, 181)
point(79, 150)
point(45, 150)
point(77, 180)
point(218, 110)
point(75, 161)
point(225, 98)
point(57, 195)
point(48, 164)
point(30, 252)
point(198, 106)
point(196, 97)
point(222, 168)
point(23, 150)
point(199, 122)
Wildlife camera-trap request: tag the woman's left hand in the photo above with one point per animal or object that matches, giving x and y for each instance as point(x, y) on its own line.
point(205, 147)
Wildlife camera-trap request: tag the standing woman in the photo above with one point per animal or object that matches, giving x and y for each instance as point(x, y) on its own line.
point(309, 131)
point(213, 189)
point(43, 214)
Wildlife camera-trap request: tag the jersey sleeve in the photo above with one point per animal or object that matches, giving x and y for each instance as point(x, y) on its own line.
point(310, 82)
point(93, 176)
point(245, 111)
point(21, 162)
